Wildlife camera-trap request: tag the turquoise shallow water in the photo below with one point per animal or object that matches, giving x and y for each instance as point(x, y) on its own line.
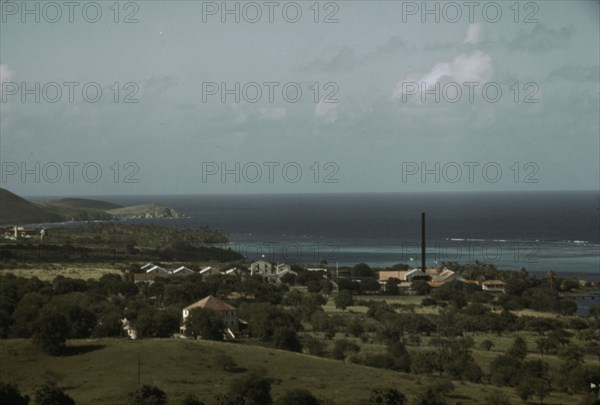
point(540, 231)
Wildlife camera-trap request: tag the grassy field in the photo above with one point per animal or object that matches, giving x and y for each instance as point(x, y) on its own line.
point(83, 271)
point(104, 371)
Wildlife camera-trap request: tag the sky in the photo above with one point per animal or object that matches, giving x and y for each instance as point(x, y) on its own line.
point(157, 97)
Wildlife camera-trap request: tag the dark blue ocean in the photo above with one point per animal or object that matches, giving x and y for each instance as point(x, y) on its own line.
point(539, 231)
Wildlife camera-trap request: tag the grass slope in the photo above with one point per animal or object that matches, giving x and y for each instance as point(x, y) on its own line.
point(14, 209)
point(85, 203)
point(104, 371)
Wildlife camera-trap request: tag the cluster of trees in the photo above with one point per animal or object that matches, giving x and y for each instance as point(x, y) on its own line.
point(45, 394)
point(253, 388)
point(114, 241)
point(52, 312)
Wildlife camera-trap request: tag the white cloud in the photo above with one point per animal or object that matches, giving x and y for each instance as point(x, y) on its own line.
point(473, 34)
point(5, 73)
point(273, 113)
point(326, 111)
point(476, 67)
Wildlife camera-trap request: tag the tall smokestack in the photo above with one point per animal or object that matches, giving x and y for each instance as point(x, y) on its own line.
point(423, 241)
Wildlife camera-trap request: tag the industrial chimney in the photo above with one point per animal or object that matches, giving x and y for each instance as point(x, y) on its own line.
point(423, 247)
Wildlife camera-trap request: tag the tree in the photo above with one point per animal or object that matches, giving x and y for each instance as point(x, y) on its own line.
point(397, 351)
point(248, 390)
point(343, 348)
point(435, 393)
point(286, 338)
point(205, 323)
point(518, 349)
point(51, 332)
point(533, 387)
point(148, 395)
point(343, 300)
point(298, 397)
point(362, 270)
point(391, 286)
point(386, 396)
point(370, 284)
point(49, 394)
point(487, 345)
point(421, 287)
point(10, 395)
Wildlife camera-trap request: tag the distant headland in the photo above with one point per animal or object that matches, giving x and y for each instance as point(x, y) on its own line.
point(16, 210)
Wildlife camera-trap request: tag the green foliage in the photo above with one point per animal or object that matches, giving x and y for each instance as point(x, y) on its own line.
point(286, 338)
point(248, 390)
point(205, 323)
point(434, 394)
point(343, 299)
point(505, 370)
point(530, 387)
point(386, 396)
point(51, 332)
point(10, 395)
point(518, 349)
point(313, 346)
point(50, 394)
point(399, 355)
point(487, 345)
point(265, 318)
point(426, 362)
point(362, 270)
point(497, 398)
point(370, 285)
point(148, 395)
point(391, 286)
point(298, 397)
point(421, 287)
point(191, 400)
point(343, 348)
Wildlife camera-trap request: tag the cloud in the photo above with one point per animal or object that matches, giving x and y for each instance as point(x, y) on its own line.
point(475, 67)
point(542, 38)
point(6, 74)
point(344, 59)
point(327, 111)
point(473, 34)
point(274, 114)
point(392, 45)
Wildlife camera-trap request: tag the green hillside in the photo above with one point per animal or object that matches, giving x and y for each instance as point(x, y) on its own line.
point(85, 203)
point(104, 371)
point(17, 210)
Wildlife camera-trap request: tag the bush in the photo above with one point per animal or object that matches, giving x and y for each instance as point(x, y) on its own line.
point(343, 348)
point(250, 389)
point(343, 299)
point(50, 394)
point(148, 395)
point(298, 397)
point(10, 395)
point(313, 346)
point(386, 396)
point(51, 333)
point(191, 400)
point(487, 345)
point(286, 338)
